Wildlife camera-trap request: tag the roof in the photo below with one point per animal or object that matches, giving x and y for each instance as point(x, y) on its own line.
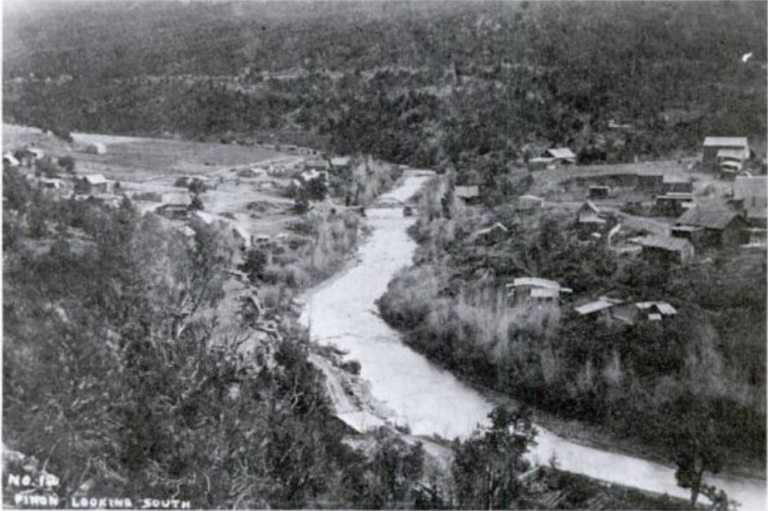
point(340, 161)
point(11, 159)
point(676, 196)
point(531, 198)
point(599, 187)
point(663, 307)
point(665, 243)
point(710, 217)
point(541, 159)
point(755, 186)
point(539, 283)
point(596, 306)
point(95, 179)
point(495, 226)
point(562, 153)
point(467, 192)
point(726, 142)
point(589, 205)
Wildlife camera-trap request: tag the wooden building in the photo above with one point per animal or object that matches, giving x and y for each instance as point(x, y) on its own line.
point(665, 250)
point(713, 226)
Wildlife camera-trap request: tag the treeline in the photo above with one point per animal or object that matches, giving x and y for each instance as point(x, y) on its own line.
point(439, 85)
point(119, 380)
point(652, 382)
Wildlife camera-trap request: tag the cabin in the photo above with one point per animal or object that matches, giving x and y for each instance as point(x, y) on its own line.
point(598, 192)
point(729, 170)
point(527, 290)
point(561, 155)
point(713, 145)
point(91, 184)
point(491, 235)
point(529, 203)
point(713, 226)
point(470, 195)
point(749, 193)
point(51, 183)
point(665, 250)
point(96, 148)
point(673, 204)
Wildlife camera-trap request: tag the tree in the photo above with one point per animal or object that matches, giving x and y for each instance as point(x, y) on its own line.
point(696, 447)
point(254, 264)
point(486, 466)
point(67, 163)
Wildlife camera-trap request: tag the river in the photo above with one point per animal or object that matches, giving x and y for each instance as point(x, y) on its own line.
point(431, 400)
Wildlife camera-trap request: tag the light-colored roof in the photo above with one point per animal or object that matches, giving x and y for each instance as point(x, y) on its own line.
point(492, 228)
point(596, 306)
point(531, 198)
point(754, 186)
point(665, 242)
point(561, 153)
point(537, 282)
point(662, 307)
point(340, 161)
point(676, 196)
point(710, 217)
point(541, 159)
point(95, 179)
point(467, 192)
point(726, 142)
point(11, 158)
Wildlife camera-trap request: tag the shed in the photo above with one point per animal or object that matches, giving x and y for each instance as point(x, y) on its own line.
point(720, 226)
point(468, 194)
point(664, 249)
point(561, 155)
point(92, 183)
point(341, 163)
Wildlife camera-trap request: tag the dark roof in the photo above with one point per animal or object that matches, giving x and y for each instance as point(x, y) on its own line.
point(710, 217)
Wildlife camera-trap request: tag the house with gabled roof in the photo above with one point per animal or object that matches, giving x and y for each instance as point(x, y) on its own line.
point(490, 235)
point(92, 183)
point(468, 194)
point(712, 225)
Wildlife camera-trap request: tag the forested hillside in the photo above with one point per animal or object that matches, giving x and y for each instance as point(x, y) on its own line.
point(426, 84)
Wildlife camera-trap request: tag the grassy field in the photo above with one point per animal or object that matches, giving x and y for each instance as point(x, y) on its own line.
point(140, 159)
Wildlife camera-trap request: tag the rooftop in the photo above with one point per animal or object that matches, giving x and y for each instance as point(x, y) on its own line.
point(562, 153)
point(665, 243)
point(96, 179)
point(467, 192)
point(726, 142)
point(708, 216)
point(753, 186)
